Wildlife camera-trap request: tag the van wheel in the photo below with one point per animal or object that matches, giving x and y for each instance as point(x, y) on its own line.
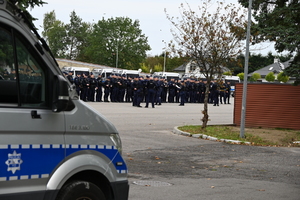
point(80, 190)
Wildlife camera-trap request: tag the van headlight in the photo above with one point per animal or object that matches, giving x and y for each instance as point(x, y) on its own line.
point(115, 138)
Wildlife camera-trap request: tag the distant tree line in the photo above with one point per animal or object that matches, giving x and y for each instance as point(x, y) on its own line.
point(100, 42)
point(120, 42)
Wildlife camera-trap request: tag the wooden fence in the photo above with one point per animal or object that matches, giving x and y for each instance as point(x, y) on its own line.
point(269, 105)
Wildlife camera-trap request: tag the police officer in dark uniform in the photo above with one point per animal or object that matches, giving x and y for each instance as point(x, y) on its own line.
point(140, 91)
point(187, 93)
point(197, 91)
point(172, 90)
point(92, 88)
point(151, 91)
point(191, 90)
point(107, 88)
point(159, 89)
point(211, 94)
point(77, 82)
point(145, 90)
point(177, 91)
point(65, 74)
point(129, 92)
point(134, 87)
point(182, 91)
point(99, 88)
point(164, 91)
point(228, 92)
point(114, 88)
point(201, 89)
point(194, 92)
point(85, 86)
point(70, 77)
point(122, 88)
point(215, 92)
point(222, 86)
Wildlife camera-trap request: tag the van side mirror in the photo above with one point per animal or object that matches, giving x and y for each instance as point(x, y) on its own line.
point(60, 94)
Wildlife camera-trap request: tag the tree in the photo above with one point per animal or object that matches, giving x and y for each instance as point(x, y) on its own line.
point(294, 69)
point(236, 65)
point(55, 34)
point(65, 41)
point(117, 42)
point(210, 40)
point(270, 77)
point(48, 22)
point(282, 78)
point(76, 35)
point(278, 21)
point(24, 4)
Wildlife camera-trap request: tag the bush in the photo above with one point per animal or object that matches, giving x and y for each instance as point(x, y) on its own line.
point(241, 76)
point(282, 78)
point(251, 79)
point(227, 73)
point(270, 77)
point(144, 68)
point(256, 76)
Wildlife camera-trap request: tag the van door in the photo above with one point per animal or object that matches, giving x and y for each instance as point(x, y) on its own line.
point(31, 143)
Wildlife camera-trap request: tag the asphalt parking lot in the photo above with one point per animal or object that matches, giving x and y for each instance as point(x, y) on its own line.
point(196, 168)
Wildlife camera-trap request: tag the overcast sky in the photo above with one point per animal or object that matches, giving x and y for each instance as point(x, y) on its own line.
point(150, 13)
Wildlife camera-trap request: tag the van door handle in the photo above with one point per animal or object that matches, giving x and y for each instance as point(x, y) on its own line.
point(34, 115)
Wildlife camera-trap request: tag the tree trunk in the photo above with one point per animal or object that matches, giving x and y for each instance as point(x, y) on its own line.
point(205, 111)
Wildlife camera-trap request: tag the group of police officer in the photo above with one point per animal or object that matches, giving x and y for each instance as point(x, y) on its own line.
point(154, 90)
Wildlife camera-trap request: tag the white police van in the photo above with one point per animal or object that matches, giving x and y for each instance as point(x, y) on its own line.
point(167, 75)
point(52, 145)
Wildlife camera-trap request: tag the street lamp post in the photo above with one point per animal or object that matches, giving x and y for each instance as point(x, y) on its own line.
point(165, 62)
point(165, 56)
point(244, 98)
point(117, 55)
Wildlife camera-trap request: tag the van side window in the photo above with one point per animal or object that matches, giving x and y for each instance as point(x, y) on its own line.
point(22, 80)
point(31, 77)
point(8, 86)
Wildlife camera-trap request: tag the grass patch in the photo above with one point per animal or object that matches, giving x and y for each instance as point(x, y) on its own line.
point(257, 136)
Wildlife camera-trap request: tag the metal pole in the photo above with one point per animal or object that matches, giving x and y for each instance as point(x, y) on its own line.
point(117, 56)
point(165, 52)
point(165, 62)
point(243, 114)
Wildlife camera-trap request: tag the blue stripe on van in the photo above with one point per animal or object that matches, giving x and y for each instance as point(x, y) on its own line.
point(34, 161)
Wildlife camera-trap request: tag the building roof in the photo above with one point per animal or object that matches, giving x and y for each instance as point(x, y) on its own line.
point(181, 68)
point(276, 67)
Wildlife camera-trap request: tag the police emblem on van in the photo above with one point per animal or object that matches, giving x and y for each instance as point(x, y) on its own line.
point(14, 162)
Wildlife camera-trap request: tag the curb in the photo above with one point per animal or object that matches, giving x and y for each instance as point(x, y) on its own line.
point(207, 137)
